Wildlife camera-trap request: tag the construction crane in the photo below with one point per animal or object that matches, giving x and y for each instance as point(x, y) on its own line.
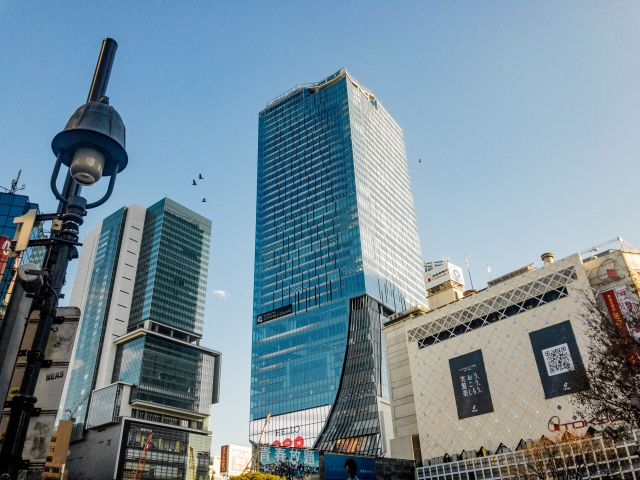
point(192, 464)
point(143, 458)
point(255, 458)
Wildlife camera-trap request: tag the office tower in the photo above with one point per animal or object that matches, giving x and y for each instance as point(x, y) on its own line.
point(336, 252)
point(139, 374)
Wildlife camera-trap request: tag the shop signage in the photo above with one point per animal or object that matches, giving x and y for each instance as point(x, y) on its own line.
point(555, 425)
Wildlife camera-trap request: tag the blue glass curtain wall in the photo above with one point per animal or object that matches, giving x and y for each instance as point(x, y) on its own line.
point(334, 220)
point(174, 260)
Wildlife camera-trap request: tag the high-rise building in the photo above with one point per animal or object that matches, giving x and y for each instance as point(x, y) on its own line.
point(337, 248)
point(139, 375)
point(11, 206)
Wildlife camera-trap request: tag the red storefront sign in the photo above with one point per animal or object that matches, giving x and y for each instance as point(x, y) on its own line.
point(614, 310)
point(619, 315)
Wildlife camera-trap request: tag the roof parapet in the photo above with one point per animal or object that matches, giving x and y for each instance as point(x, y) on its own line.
point(408, 313)
point(322, 84)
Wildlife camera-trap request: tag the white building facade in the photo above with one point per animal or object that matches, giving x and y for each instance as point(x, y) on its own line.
point(498, 367)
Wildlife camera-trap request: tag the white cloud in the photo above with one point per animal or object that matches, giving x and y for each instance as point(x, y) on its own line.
point(221, 294)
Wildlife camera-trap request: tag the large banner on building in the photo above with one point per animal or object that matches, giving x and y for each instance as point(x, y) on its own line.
point(288, 462)
point(234, 459)
point(558, 359)
point(470, 385)
point(298, 429)
point(621, 307)
point(341, 467)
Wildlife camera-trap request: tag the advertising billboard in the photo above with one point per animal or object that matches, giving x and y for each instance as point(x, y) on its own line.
point(288, 462)
point(341, 467)
point(558, 359)
point(440, 275)
point(470, 385)
point(234, 459)
point(296, 429)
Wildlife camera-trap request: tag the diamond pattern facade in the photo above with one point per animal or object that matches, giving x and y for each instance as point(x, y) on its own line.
point(497, 321)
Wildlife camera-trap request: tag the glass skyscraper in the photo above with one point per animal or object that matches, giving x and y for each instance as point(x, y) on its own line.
point(138, 367)
point(336, 251)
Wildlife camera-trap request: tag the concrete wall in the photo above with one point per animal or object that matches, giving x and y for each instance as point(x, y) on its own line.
point(96, 456)
point(403, 412)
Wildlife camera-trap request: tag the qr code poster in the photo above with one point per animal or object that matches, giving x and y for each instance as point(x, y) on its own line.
point(558, 359)
point(470, 385)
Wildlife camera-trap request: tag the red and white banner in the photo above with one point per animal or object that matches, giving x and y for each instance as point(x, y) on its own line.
point(615, 312)
point(622, 310)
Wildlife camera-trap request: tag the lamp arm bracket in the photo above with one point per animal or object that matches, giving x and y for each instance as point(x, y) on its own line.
point(54, 178)
point(112, 182)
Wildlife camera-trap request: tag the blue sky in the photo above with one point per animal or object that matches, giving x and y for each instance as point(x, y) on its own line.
point(526, 116)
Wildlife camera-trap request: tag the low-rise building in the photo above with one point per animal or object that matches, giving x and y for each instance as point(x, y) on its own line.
point(495, 368)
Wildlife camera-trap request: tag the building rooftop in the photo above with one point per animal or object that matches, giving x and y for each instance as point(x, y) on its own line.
point(322, 84)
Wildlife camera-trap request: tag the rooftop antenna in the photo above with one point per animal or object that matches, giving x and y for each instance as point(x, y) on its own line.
point(14, 185)
point(466, 260)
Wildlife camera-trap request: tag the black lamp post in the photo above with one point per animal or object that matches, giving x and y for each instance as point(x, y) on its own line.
point(92, 145)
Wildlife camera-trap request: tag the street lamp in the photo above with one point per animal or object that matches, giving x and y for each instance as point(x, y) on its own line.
point(92, 145)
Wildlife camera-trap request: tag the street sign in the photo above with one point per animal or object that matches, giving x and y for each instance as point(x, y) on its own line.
point(23, 231)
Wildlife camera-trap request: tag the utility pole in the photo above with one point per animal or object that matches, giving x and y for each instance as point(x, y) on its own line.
point(92, 145)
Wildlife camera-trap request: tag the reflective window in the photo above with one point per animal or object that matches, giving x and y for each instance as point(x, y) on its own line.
point(166, 373)
point(334, 220)
point(171, 278)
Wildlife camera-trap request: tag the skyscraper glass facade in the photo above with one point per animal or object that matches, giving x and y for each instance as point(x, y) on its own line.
point(172, 270)
point(137, 265)
point(96, 310)
point(166, 373)
point(335, 220)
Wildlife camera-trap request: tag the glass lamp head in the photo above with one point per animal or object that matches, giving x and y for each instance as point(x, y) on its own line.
point(87, 165)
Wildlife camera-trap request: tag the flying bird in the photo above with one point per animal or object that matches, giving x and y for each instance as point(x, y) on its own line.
point(194, 183)
point(200, 177)
point(204, 200)
point(419, 161)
